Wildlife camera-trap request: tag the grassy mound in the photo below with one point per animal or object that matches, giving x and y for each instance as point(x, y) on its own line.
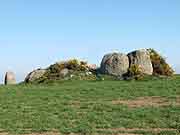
point(75, 70)
point(92, 107)
point(80, 70)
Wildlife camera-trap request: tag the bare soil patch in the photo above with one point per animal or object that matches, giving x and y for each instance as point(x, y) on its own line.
point(147, 101)
point(80, 134)
point(47, 133)
point(51, 133)
point(153, 130)
point(127, 134)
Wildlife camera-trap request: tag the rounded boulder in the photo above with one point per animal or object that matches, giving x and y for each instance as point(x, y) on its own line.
point(115, 64)
point(142, 59)
point(34, 75)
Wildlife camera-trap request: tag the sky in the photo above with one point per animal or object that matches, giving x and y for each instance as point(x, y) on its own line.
point(37, 33)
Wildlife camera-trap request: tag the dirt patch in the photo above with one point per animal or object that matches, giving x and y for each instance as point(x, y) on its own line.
point(47, 133)
point(153, 130)
point(178, 101)
point(51, 133)
point(75, 104)
point(147, 101)
point(127, 134)
point(154, 101)
point(4, 134)
point(79, 134)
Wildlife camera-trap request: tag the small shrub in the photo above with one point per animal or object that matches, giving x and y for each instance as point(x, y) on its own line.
point(76, 68)
point(83, 63)
point(160, 66)
point(83, 66)
point(134, 72)
point(72, 64)
point(56, 68)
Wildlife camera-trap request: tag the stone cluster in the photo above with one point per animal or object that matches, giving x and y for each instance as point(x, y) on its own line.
point(118, 64)
point(115, 64)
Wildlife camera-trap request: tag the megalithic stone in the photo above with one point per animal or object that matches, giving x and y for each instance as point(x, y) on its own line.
point(9, 78)
point(142, 59)
point(115, 64)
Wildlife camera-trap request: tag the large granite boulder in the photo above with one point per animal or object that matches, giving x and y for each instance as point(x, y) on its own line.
point(10, 78)
point(115, 64)
point(142, 59)
point(34, 75)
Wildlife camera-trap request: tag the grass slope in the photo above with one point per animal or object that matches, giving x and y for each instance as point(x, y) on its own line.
point(86, 107)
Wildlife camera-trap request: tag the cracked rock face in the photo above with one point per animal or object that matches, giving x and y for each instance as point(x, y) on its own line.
point(142, 59)
point(34, 75)
point(10, 78)
point(115, 64)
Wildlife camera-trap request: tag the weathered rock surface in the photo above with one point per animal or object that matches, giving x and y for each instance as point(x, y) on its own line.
point(10, 78)
point(34, 75)
point(92, 66)
point(115, 64)
point(64, 72)
point(142, 59)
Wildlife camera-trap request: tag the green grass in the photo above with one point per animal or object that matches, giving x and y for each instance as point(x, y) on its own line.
point(85, 106)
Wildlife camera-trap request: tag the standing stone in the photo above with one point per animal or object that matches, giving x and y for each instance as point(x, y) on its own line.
point(10, 78)
point(142, 59)
point(115, 64)
point(34, 75)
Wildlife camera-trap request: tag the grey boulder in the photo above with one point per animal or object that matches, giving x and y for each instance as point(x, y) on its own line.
point(142, 59)
point(34, 75)
point(115, 64)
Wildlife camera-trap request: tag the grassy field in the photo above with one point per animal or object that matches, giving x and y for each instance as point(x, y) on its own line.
point(150, 107)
